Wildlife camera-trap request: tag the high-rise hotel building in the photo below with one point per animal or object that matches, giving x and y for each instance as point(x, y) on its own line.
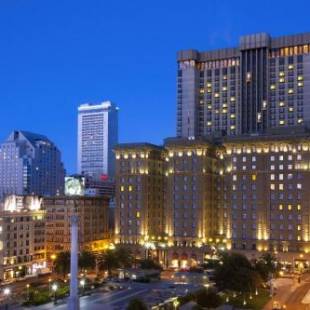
point(30, 164)
point(262, 84)
point(236, 176)
point(97, 135)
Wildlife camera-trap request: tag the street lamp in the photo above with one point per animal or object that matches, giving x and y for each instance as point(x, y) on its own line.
point(175, 304)
point(82, 283)
point(6, 292)
point(28, 295)
point(54, 288)
point(49, 285)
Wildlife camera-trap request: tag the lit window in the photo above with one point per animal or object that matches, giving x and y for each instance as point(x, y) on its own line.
point(272, 186)
point(122, 188)
point(281, 104)
point(209, 123)
point(216, 95)
point(272, 87)
point(299, 186)
point(291, 109)
point(232, 99)
point(298, 207)
point(272, 158)
point(289, 207)
point(291, 91)
point(272, 167)
point(253, 177)
point(281, 187)
point(281, 73)
point(138, 214)
point(298, 227)
point(300, 84)
point(280, 207)
point(281, 177)
point(281, 80)
point(290, 67)
point(281, 122)
point(300, 78)
point(281, 157)
point(300, 120)
point(232, 127)
point(272, 177)
point(234, 177)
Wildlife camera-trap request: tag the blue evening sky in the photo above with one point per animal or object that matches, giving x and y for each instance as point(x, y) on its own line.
point(57, 54)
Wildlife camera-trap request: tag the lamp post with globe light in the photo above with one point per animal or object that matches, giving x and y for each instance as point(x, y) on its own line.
point(28, 292)
point(82, 283)
point(7, 293)
point(54, 288)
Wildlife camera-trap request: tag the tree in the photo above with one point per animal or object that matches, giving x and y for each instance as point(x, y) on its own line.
point(62, 263)
point(124, 257)
point(150, 264)
point(236, 273)
point(109, 261)
point(87, 260)
point(208, 299)
point(136, 304)
point(266, 265)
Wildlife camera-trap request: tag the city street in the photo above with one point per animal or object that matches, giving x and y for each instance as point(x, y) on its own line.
point(295, 296)
point(152, 293)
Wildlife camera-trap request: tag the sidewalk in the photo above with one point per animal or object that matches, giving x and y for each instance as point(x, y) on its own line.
point(284, 288)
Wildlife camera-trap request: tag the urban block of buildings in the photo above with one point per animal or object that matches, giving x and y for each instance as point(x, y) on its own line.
point(33, 230)
point(236, 175)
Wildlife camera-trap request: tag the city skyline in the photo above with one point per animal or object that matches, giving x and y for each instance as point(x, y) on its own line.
point(36, 71)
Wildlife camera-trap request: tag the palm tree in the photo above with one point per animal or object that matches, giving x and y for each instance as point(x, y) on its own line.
point(124, 257)
point(62, 263)
point(87, 260)
point(109, 261)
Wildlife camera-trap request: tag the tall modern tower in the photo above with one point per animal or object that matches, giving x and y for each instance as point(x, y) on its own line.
point(97, 135)
point(30, 164)
point(257, 87)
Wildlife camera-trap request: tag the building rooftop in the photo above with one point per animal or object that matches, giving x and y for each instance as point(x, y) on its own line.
point(138, 145)
point(246, 42)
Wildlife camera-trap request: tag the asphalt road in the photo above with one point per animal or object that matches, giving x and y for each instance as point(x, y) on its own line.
point(292, 294)
point(151, 293)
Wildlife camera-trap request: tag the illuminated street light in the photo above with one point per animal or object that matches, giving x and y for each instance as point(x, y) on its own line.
point(28, 295)
point(82, 283)
point(7, 291)
point(54, 288)
point(175, 304)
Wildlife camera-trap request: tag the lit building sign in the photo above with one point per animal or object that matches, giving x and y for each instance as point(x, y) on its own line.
point(74, 186)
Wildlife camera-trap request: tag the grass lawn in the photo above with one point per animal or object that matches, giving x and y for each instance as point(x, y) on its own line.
point(256, 303)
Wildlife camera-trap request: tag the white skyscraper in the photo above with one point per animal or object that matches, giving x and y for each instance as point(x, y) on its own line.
point(97, 136)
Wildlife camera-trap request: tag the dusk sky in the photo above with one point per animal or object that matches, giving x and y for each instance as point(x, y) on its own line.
point(55, 55)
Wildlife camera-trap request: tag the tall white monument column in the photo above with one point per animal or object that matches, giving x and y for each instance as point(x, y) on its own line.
point(74, 302)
